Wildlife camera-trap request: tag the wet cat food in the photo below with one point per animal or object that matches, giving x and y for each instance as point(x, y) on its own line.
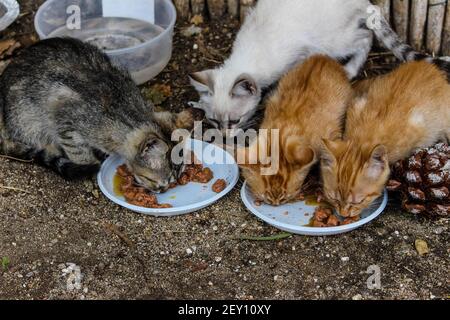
point(139, 196)
point(135, 195)
point(195, 173)
point(324, 217)
point(219, 186)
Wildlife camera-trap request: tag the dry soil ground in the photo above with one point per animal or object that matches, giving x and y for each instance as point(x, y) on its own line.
point(124, 255)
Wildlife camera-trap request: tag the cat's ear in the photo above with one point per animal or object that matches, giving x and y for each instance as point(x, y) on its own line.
point(244, 86)
point(327, 157)
point(377, 163)
point(203, 81)
point(297, 153)
point(153, 147)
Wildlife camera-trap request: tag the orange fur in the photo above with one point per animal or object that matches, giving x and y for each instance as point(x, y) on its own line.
point(390, 117)
point(308, 106)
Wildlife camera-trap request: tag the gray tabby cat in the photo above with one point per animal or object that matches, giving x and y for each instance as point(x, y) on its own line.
point(65, 105)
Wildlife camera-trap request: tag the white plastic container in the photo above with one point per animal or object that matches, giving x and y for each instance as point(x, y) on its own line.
point(9, 11)
point(135, 34)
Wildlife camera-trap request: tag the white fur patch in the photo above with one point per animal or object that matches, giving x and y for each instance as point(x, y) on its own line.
point(417, 119)
point(360, 104)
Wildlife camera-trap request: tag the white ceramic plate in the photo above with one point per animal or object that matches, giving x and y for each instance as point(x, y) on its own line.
point(295, 217)
point(184, 199)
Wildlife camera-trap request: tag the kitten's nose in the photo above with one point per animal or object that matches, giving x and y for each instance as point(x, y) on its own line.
point(161, 189)
point(230, 124)
point(345, 212)
point(275, 202)
point(354, 213)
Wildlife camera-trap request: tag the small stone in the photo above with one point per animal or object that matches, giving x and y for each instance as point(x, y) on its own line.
point(189, 251)
point(345, 259)
point(195, 47)
point(218, 259)
point(422, 247)
point(191, 31)
point(61, 266)
point(357, 297)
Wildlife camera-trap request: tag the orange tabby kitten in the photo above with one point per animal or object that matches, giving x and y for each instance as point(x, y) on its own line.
point(390, 117)
point(309, 105)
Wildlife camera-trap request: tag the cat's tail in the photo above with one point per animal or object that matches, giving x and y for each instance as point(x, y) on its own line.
point(404, 52)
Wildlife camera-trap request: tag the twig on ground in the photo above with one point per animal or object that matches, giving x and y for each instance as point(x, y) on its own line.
point(14, 159)
point(115, 230)
point(211, 60)
point(14, 189)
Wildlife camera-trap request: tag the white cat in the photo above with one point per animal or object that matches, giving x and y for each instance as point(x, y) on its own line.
point(276, 36)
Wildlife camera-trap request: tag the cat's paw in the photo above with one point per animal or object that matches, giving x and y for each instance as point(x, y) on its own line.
point(187, 118)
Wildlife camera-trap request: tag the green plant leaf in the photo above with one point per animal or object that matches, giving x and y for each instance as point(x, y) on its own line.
point(5, 263)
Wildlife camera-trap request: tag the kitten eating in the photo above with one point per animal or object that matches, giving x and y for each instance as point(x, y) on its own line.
point(309, 105)
point(390, 117)
point(63, 104)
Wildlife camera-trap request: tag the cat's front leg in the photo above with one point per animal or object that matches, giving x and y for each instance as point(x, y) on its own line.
point(76, 149)
point(359, 57)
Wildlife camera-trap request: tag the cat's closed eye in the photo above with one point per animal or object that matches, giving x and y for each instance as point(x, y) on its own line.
point(142, 179)
point(358, 203)
point(214, 122)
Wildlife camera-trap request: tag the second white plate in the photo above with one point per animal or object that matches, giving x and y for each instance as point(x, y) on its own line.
point(295, 217)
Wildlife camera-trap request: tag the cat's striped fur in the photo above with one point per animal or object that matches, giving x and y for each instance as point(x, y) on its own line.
point(64, 104)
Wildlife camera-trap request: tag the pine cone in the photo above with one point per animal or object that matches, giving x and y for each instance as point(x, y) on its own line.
point(424, 181)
